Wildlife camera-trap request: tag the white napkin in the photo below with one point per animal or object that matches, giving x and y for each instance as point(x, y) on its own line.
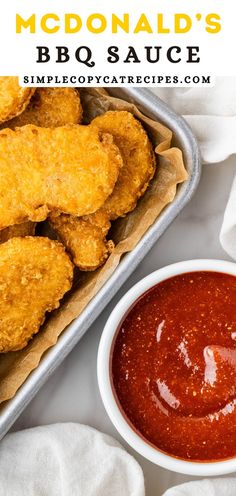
point(228, 230)
point(206, 487)
point(67, 460)
point(211, 113)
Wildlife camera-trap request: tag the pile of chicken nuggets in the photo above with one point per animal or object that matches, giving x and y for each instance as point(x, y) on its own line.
point(78, 178)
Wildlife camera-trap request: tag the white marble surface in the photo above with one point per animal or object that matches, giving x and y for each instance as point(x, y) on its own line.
point(72, 392)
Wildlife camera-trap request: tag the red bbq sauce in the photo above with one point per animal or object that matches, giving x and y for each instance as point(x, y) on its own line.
point(174, 366)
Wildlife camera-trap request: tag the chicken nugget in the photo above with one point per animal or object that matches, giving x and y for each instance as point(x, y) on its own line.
point(138, 157)
point(50, 107)
point(35, 273)
point(13, 98)
point(85, 238)
point(17, 231)
point(70, 169)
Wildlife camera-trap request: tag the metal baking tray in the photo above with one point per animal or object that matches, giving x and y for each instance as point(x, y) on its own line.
point(153, 107)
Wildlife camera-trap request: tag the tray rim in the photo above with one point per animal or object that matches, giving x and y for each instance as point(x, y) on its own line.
point(156, 108)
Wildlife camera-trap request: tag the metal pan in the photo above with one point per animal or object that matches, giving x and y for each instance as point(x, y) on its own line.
point(155, 108)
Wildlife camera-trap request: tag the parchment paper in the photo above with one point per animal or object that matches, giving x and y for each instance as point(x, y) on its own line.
point(126, 232)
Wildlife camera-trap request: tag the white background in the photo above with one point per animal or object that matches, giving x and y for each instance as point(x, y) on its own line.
point(18, 53)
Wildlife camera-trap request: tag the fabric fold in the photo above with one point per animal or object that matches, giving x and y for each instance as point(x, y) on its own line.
point(67, 460)
point(211, 114)
point(206, 487)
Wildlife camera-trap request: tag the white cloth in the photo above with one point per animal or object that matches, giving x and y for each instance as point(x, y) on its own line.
point(67, 460)
point(206, 487)
point(211, 113)
point(228, 230)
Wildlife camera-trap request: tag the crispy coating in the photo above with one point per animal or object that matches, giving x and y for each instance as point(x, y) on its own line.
point(71, 169)
point(13, 98)
point(138, 156)
point(18, 230)
point(85, 238)
point(50, 107)
point(35, 273)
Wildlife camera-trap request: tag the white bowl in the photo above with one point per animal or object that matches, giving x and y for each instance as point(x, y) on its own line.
point(104, 380)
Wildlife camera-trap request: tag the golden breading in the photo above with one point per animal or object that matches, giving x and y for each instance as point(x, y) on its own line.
point(18, 230)
point(50, 107)
point(35, 273)
point(85, 238)
point(138, 156)
point(71, 169)
point(13, 98)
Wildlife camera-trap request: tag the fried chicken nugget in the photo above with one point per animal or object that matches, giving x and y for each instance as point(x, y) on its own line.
point(85, 238)
point(13, 98)
point(50, 107)
point(71, 169)
point(35, 273)
point(18, 230)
